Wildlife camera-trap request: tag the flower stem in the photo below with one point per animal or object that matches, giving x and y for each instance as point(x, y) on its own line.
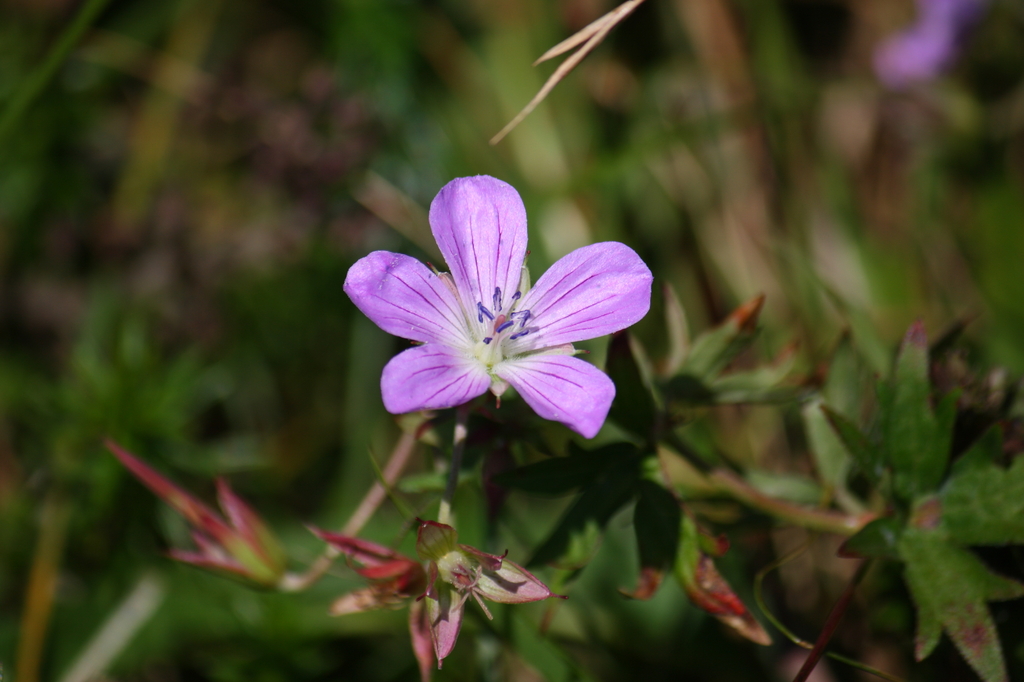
point(397, 462)
point(826, 520)
point(444, 513)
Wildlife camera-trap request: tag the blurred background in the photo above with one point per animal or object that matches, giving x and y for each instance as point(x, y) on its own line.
point(184, 184)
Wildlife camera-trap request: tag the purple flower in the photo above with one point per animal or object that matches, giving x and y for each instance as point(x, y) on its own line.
point(926, 49)
point(482, 326)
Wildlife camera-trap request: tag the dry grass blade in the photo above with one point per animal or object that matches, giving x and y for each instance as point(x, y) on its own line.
point(590, 36)
point(589, 30)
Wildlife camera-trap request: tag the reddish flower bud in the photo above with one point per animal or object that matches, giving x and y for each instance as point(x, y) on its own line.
point(241, 547)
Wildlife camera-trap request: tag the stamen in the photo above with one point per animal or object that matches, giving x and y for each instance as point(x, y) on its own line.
point(521, 316)
point(481, 312)
point(520, 334)
point(515, 296)
point(497, 299)
point(503, 327)
point(488, 339)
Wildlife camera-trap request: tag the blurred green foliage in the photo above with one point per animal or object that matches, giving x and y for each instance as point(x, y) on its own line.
point(181, 198)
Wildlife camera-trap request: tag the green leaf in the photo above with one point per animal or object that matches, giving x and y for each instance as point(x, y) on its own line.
point(713, 350)
point(983, 504)
point(656, 521)
point(786, 486)
point(880, 539)
point(916, 440)
point(560, 475)
point(981, 455)
point(868, 457)
point(831, 457)
point(759, 385)
point(847, 379)
point(951, 587)
point(577, 534)
point(633, 408)
point(678, 331)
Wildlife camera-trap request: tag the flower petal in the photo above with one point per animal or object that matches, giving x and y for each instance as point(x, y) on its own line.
point(431, 377)
point(511, 584)
point(480, 225)
point(593, 291)
point(445, 615)
point(365, 552)
point(358, 601)
point(422, 644)
point(562, 388)
point(403, 297)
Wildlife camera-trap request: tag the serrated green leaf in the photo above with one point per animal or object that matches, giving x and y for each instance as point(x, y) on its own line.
point(879, 539)
point(656, 523)
point(868, 457)
point(950, 587)
point(574, 540)
point(560, 475)
point(983, 504)
point(633, 408)
point(916, 439)
point(984, 453)
point(713, 350)
point(831, 458)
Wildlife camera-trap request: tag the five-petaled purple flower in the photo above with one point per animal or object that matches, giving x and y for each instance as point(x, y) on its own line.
point(926, 49)
point(482, 326)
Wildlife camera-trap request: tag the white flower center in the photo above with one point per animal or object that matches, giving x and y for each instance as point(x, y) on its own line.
point(498, 327)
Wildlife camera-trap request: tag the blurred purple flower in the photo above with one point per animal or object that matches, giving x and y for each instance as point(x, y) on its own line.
point(482, 326)
point(929, 46)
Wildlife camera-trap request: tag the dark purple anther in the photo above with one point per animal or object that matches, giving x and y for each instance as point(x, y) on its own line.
point(481, 312)
point(497, 299)
point(504, 326)
point(488, 339)
point(519, 334)
point(520, 316)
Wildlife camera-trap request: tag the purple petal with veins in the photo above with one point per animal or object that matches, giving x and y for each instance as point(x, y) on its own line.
point(480, 226)
point(402, 297)
point(431, 377)
point(593, 291)
point(480, 330)
point(563, 389)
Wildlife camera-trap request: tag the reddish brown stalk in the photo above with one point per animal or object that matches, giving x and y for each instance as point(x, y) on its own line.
point(396, 464)
point(831, 624)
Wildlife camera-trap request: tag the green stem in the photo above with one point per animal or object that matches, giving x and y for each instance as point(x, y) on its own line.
point(444, 513)
point(38, 79)
point(826, 520)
